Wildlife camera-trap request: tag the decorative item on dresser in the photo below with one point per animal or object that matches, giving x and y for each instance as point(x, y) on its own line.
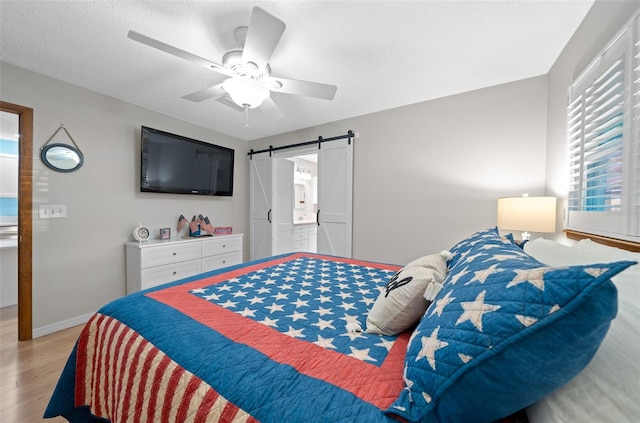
point(158, 261)
point(141, 233)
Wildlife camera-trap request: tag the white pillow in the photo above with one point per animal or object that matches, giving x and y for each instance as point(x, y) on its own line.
point(401, 303)
point(608, 389)
point(550, 252)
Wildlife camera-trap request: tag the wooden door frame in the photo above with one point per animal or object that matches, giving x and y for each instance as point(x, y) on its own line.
point(25, 204)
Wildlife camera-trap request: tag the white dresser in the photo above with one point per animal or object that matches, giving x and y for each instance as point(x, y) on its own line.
point(155, 262)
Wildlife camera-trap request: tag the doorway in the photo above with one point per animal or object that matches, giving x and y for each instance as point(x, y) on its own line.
point(24, 234)
point(296, 213)
point(9, 142)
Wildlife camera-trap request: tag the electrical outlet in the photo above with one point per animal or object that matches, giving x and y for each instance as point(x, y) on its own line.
point(52, 212)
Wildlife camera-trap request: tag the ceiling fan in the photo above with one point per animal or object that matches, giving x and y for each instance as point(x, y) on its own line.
point(250, 82)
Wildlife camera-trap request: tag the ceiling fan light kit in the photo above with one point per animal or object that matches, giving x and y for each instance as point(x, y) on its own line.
point(250, 82)
point(246, 92)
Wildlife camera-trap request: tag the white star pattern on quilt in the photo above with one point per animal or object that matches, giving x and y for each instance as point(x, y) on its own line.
point(282, 297)
point(457, 276)
point(440, 304)
point(361, 354)
point(430, 344)
point(482, 275)
point(595, 272)
point(534, 276)
point(324, 324)
point(526, 321)
point(325, 342)
point(474, 310)
point(465, 358)
point(294, 333)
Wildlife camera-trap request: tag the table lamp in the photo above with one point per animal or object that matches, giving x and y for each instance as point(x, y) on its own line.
point(535, 214)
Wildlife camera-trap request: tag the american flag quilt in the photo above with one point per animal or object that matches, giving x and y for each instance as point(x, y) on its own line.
point(274, 340)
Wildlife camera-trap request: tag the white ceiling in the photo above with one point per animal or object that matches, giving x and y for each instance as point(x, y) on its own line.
point(380, 54)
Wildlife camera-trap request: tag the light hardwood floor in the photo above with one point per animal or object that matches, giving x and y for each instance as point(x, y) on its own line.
point(29, 370)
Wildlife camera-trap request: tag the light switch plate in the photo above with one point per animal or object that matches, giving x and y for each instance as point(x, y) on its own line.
point(52, 211)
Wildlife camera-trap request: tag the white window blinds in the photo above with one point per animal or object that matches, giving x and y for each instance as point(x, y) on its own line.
point(603, 137)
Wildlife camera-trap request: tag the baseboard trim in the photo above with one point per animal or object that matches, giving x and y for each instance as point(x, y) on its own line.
point(58, 326)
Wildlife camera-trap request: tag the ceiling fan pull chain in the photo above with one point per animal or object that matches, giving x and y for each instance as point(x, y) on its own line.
point(246, 117)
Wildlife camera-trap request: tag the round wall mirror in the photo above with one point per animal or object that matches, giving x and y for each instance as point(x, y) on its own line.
point(62, 157)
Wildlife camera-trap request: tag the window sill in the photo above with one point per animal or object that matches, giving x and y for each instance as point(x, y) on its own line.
point(612, 242)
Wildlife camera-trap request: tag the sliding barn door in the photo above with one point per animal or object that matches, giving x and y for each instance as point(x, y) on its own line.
point(260, 204)
point(335, 189)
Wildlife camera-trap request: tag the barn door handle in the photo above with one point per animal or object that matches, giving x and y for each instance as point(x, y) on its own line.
point(318, 217)
point(269, 215)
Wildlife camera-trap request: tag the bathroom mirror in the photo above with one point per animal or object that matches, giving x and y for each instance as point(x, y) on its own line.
point(62, 157)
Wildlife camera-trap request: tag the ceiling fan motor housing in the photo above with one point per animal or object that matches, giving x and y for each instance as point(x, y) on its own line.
point(233, 60)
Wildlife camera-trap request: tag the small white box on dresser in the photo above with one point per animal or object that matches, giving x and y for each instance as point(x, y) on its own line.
point(155, 262)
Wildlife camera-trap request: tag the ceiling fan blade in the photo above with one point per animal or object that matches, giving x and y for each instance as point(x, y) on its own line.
point(211, 92)
point(306, 88)
point(263, 35)
point(271, 109)
point(179, 53)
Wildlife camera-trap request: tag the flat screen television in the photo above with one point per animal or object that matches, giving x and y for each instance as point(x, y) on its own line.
point(175, 164)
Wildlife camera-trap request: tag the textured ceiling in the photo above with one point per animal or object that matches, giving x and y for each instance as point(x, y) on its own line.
point(380, 54)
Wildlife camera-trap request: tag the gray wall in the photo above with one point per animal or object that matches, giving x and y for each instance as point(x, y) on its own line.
point(428, 174)
point(79, 262)
point(601, 24)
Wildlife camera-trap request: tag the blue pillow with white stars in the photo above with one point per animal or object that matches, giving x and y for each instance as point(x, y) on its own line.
point(504, 331)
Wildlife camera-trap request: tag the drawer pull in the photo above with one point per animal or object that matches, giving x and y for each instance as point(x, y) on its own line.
point(175, 254)
point(224, 245)
point(224, 261)
point(174, 272)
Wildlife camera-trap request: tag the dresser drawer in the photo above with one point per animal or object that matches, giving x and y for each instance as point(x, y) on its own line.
point(154, 276)
point(166, 254)
point(214, 246)
point(299, 236)
point(221, 260)
point(301, 228)
point(302, 245)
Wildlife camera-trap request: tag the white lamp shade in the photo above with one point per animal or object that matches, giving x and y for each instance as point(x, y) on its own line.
point(245, 92)
point(534, 214)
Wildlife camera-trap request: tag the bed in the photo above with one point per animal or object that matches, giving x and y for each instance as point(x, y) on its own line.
point(305, 337)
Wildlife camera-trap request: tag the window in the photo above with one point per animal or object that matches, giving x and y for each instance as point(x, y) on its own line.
point(603, 138)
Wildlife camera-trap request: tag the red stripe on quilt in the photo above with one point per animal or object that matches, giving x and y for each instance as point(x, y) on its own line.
point(120, 344)
point(185, 402)
point(161, 373)
point(141, 391)
point(206, 406)
point(379, 386)
point(130, 389)
point(228, 413)
point(123, 377)
point(170, 388)
point(81, 362)
point(100, 395)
